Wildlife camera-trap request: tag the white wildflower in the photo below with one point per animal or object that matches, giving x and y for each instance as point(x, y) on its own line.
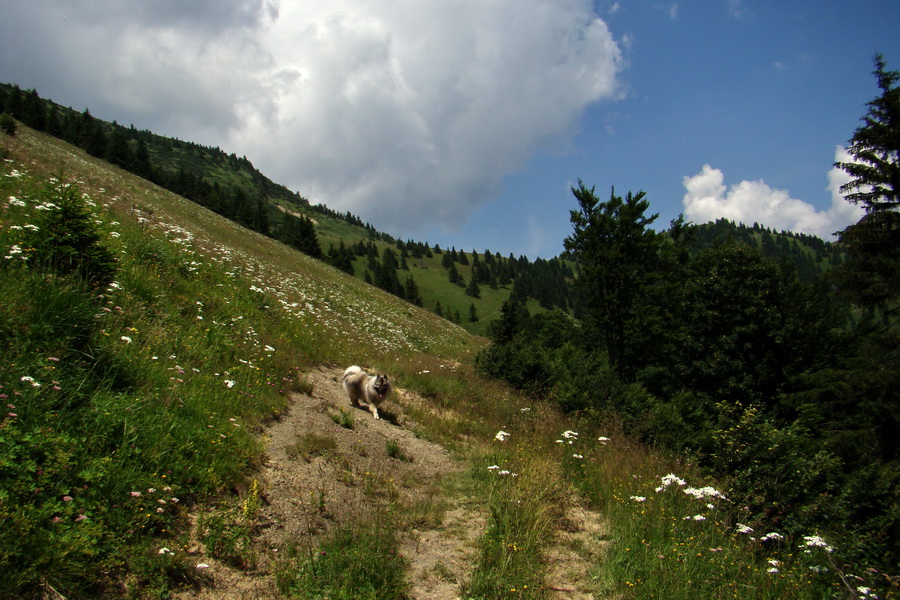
point(672, 478)
point(704, 492)
point(814, 541)
point(27, 379)
point(501, 435)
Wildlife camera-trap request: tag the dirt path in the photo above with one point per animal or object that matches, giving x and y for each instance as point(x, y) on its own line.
point(317, 474)
point(578, 545)
point(306, 493)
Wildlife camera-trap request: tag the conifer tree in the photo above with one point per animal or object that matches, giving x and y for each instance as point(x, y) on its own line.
point(472, 289)
point(454, 275)
point(871, 276)
point(618, 253)
point(875, 148)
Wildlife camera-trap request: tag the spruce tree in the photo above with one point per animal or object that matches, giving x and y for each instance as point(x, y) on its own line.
point(871, 276)
point(472, 289)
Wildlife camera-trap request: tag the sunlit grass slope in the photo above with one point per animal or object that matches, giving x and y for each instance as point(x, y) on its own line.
point(125, 403)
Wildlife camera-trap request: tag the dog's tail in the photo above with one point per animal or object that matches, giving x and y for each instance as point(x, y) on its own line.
point(351, 371)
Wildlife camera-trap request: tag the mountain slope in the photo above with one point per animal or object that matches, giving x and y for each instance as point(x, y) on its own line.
point(232, 186)
point(135, 428)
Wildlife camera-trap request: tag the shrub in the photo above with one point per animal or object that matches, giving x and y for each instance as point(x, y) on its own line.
point(7, 124)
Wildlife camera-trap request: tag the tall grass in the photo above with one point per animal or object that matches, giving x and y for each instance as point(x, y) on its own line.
point(357, 561)
point(675, 536)
point(522, 506)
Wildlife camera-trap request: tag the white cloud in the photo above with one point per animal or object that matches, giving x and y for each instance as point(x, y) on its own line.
point(406, 117)
point(748, 202)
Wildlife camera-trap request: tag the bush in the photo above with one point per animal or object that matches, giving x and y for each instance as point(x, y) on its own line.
point(7, 124)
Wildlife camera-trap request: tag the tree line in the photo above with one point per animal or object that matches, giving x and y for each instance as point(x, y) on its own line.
point(782, 381)
point(247, 197)
point(154, 158)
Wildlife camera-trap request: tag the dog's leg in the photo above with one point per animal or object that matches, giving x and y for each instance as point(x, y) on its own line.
point(374, 410)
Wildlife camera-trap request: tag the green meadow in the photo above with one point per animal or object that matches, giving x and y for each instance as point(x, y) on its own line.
point(144, 340)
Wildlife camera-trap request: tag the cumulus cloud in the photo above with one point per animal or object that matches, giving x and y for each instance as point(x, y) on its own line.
point(707, 199)
point(406, 117)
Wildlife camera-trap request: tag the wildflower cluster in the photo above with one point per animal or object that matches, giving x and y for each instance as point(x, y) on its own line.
point(501, 472)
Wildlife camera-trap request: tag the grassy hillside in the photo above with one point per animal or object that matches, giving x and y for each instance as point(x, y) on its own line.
point(134, 403)
point(157, 379)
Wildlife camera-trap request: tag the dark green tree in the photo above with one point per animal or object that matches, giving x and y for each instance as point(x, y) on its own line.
point(411, 291)
point(875, 148)
point(871, 275)
point(299, 232)
point(68, 240)
point(117, 149)
point(472, 289)
point(618, 254)
point(341, 257)
point(8, 124)
point(454, 275)
point(386, 274)
point(513, 317)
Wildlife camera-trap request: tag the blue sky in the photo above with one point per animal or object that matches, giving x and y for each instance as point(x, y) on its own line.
point(465, 122)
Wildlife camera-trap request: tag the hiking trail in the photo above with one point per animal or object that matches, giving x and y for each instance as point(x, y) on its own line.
point(305, 497)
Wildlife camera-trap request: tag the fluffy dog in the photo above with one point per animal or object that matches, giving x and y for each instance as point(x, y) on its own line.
point(359, 384)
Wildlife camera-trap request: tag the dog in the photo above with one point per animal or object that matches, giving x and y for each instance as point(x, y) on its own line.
point(359, 384)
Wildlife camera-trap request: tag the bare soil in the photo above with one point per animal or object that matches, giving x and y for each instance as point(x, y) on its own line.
point(306, 495)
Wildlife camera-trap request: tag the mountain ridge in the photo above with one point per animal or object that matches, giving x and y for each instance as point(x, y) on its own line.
point(416, 271)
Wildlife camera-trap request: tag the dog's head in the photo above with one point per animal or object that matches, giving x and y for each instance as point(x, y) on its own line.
point(381, 385)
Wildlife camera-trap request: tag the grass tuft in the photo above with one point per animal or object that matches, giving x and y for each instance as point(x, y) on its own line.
point(360, 560)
